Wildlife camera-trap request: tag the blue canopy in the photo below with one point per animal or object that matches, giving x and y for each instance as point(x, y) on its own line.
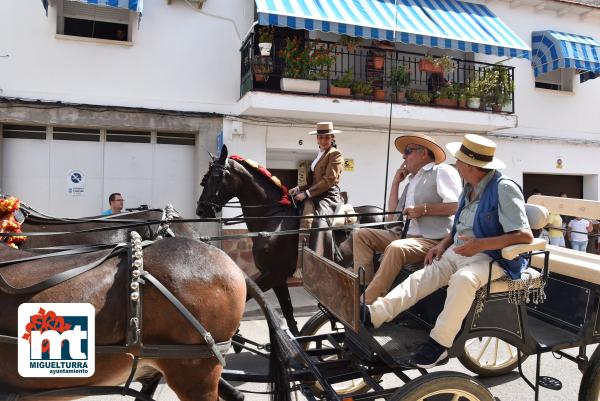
point(446, 24)
point(553, 50)
point(133, 5)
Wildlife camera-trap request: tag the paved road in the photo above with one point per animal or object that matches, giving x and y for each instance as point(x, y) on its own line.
point(506, 388)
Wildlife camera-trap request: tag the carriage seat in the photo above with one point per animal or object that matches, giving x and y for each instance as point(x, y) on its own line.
point(571, 263)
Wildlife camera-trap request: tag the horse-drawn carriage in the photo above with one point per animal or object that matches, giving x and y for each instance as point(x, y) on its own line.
point(553, 307)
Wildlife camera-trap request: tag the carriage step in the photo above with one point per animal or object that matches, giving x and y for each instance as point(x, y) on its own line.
point(550, 383)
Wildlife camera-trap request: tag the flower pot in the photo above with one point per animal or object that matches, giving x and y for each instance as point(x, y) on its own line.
point(265, 48)
point(446, 102)
point(462, 103)
point(300, 85)
point(497, 108)
point(261, 77)
point(378, 62)
point(427, 66)
point(359, 95)
point(379, 94)
point(337, 91)
point(401, 97)
point(474, 102)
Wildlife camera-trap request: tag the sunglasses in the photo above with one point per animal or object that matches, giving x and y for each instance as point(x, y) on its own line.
point(408, 151)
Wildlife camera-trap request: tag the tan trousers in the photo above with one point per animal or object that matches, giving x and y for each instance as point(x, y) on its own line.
point(397, 254)
point(303, 238)
point(463, 275)
point(367, 241)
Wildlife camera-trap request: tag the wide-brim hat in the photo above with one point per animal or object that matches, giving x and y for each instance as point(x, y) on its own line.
point(476, 150)
point(422, 140)
point(325, 128)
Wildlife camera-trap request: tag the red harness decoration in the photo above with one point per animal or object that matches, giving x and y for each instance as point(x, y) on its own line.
point(284, 200)
point(8, 223)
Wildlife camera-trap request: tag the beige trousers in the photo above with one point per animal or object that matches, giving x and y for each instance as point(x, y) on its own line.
point(397, 254)
point(367, 241)
point(463, 275)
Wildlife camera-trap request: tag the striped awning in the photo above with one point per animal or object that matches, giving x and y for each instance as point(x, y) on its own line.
point(445, 24)
point(133, 5)
point(554, 50)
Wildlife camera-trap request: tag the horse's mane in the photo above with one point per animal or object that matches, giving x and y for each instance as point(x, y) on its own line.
point(264, 172)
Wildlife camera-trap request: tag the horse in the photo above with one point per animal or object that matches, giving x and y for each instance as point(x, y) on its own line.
point(274, 256)
point(203, 278)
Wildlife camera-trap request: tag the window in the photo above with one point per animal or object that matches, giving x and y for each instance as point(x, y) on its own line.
point(24, 131)
point(128, 136)
point(75, 134)
point(174, 138)
point(559, 80)
point(92, 21)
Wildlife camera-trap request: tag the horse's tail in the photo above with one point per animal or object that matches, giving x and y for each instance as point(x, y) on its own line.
point(282, 348)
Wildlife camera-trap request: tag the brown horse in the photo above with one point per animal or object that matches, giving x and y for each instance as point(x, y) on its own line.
point(206, 281)
point(274, 256)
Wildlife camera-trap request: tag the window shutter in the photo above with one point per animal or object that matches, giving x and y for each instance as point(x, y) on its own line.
point(76, 9)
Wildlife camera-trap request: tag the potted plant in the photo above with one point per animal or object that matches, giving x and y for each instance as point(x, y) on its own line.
point(446, 96)
point(361, 89)
point(500, 93)
point(438, 65)
point(304, 65)
point(473, 93)
point(399, 82)
point(262, 66)
point(342, 85)
point(378, 93)
point(378, 60)
point(350, 42)
point(419, 97)
point(461, 96)
point(265, 39)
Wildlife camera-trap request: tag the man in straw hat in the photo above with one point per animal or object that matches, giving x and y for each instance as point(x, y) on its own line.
point(491, 216)
point(429, 200)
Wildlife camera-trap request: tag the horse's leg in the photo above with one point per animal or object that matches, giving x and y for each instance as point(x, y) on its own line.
point(149, 384)
point(192, 380)
point(283, 296)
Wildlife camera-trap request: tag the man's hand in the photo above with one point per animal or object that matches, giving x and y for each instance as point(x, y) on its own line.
point(471, 246)
point(414, 212)
point(434, 253)
point(294, 191)
point(300, 197)
point(400, 175)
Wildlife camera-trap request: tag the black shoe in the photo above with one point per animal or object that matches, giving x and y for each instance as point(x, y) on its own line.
point(430, 354)
point(365, 316)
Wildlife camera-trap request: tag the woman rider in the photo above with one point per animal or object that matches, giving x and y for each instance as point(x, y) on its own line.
point(321, 194)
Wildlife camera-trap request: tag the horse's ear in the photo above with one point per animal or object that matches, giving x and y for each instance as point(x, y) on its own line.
point(212, 157)
point(223, 155)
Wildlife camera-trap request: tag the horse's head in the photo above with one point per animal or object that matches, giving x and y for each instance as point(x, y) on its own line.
point(219, 186)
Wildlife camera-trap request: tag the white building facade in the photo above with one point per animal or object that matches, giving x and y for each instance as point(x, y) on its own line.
point(137, 111)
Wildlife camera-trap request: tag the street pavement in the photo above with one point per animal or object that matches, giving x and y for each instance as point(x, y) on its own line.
point(509, 387)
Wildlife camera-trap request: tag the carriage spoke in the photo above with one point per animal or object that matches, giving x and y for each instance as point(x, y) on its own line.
point(510, 351)
point(496, 345)
point(456, 397)
point(484, 348)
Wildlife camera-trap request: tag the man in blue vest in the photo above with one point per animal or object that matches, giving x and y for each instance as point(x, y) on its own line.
point(490, 216)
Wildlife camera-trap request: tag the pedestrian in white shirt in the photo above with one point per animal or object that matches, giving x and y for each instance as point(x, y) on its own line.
point(577, 232)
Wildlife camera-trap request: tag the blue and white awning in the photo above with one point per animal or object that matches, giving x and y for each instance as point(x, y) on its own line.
point(553, 50)
point(446, 24)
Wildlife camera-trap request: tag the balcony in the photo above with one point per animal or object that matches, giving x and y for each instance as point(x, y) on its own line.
point(441, 92)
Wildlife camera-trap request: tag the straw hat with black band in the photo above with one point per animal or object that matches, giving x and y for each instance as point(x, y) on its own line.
point(477, 151)
point(421, 140)
point(325, 128)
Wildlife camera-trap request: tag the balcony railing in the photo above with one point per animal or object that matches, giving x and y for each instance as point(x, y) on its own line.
point(370, 71)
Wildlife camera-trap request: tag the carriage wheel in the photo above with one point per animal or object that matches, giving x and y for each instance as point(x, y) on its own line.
point(589, 389)
point(489, 356)
point(443, 386)
point(319, 323)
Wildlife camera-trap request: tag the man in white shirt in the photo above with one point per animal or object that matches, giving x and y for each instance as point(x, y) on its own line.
point(429, 202)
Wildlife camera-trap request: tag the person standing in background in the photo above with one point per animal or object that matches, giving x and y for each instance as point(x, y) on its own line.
point(115, 200)
point(577, 232)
